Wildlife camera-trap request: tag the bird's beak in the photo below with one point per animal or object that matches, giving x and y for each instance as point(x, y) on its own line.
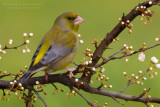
point(78, 20)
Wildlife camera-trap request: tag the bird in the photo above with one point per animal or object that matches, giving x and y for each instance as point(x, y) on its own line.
point(57, 48)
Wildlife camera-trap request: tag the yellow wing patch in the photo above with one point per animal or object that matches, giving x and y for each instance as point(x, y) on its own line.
point(42, 51)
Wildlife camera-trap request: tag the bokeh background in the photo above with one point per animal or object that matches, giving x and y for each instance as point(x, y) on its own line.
point(37, 16)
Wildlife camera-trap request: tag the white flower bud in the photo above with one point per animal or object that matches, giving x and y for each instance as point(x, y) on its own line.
point(150, 2)
point(132, 75)
point(28, 50)
point(27, 41)
point(105, 86)
point(73, 91)
point(23, 51)
point(136, 77)
point(4, 52)
point(119, 19)
point(10, 41)
point(130, 47)
point(127, 59)
point(24, 34)
point(11, 83)
point(37, 82)
point(124, 73)
point(15, 93)
point(79, 35)
point(109, 86)
point(76, 80)
point(155, 73)
point(90, 62)
point(20, 85)
point(140, 72)
point(94, 69)
point(81, 41)
point(150, 68)
point(86, 63)
point(122, 23)
point(125, 45)
point(157, 39)
point(15, 81)
point(157, 66)
point(144, 78)
point(30, 34)
point(22, 88)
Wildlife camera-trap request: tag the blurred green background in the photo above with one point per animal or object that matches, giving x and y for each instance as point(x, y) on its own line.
point(101, 16)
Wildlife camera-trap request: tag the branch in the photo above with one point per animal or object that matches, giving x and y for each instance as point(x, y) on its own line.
point(117, 30)
point(90, 103)
point(65, 80)
point(131, 82)
point(15, 47)
point(40, 97)
point(125, 55)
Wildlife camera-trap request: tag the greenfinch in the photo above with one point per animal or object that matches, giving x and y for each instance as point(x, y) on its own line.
point(58, 47)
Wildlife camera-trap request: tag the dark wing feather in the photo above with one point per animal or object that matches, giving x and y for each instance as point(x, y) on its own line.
point(35, 54)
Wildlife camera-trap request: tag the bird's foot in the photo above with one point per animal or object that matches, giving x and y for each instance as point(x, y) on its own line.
point(46, 76)
point(70, 71)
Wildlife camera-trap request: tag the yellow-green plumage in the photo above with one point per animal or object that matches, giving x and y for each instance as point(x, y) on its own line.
point(58, 47)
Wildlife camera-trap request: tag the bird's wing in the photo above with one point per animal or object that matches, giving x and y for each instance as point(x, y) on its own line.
point(50, 52)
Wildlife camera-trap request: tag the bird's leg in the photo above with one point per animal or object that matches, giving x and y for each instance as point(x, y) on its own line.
point(46, 76)
point(70, 71)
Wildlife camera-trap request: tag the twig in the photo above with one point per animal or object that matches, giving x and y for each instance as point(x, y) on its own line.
point(117, 100)
point(99, 87)
point(120, 51)
point(146, 104)
point(75, 63)
point(90, 103)
point(128, 84)
point(131, 82)
point(54, 86)
point(28, 99)
point(15, 47)
point(4, 92)
point(141, 95)
point(4, 76)
point(40, 97)
point(119, 57)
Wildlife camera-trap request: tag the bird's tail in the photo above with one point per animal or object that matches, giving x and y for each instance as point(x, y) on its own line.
point(25, 77)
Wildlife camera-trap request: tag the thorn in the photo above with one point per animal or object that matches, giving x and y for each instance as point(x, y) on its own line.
point(122, 16)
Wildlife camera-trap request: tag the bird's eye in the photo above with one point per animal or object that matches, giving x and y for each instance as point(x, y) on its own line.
point(71, 18)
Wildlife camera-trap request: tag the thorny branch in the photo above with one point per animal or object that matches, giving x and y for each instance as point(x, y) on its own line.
point(70, 82)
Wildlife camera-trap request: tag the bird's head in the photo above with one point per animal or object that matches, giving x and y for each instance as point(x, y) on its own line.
point(69, 21)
